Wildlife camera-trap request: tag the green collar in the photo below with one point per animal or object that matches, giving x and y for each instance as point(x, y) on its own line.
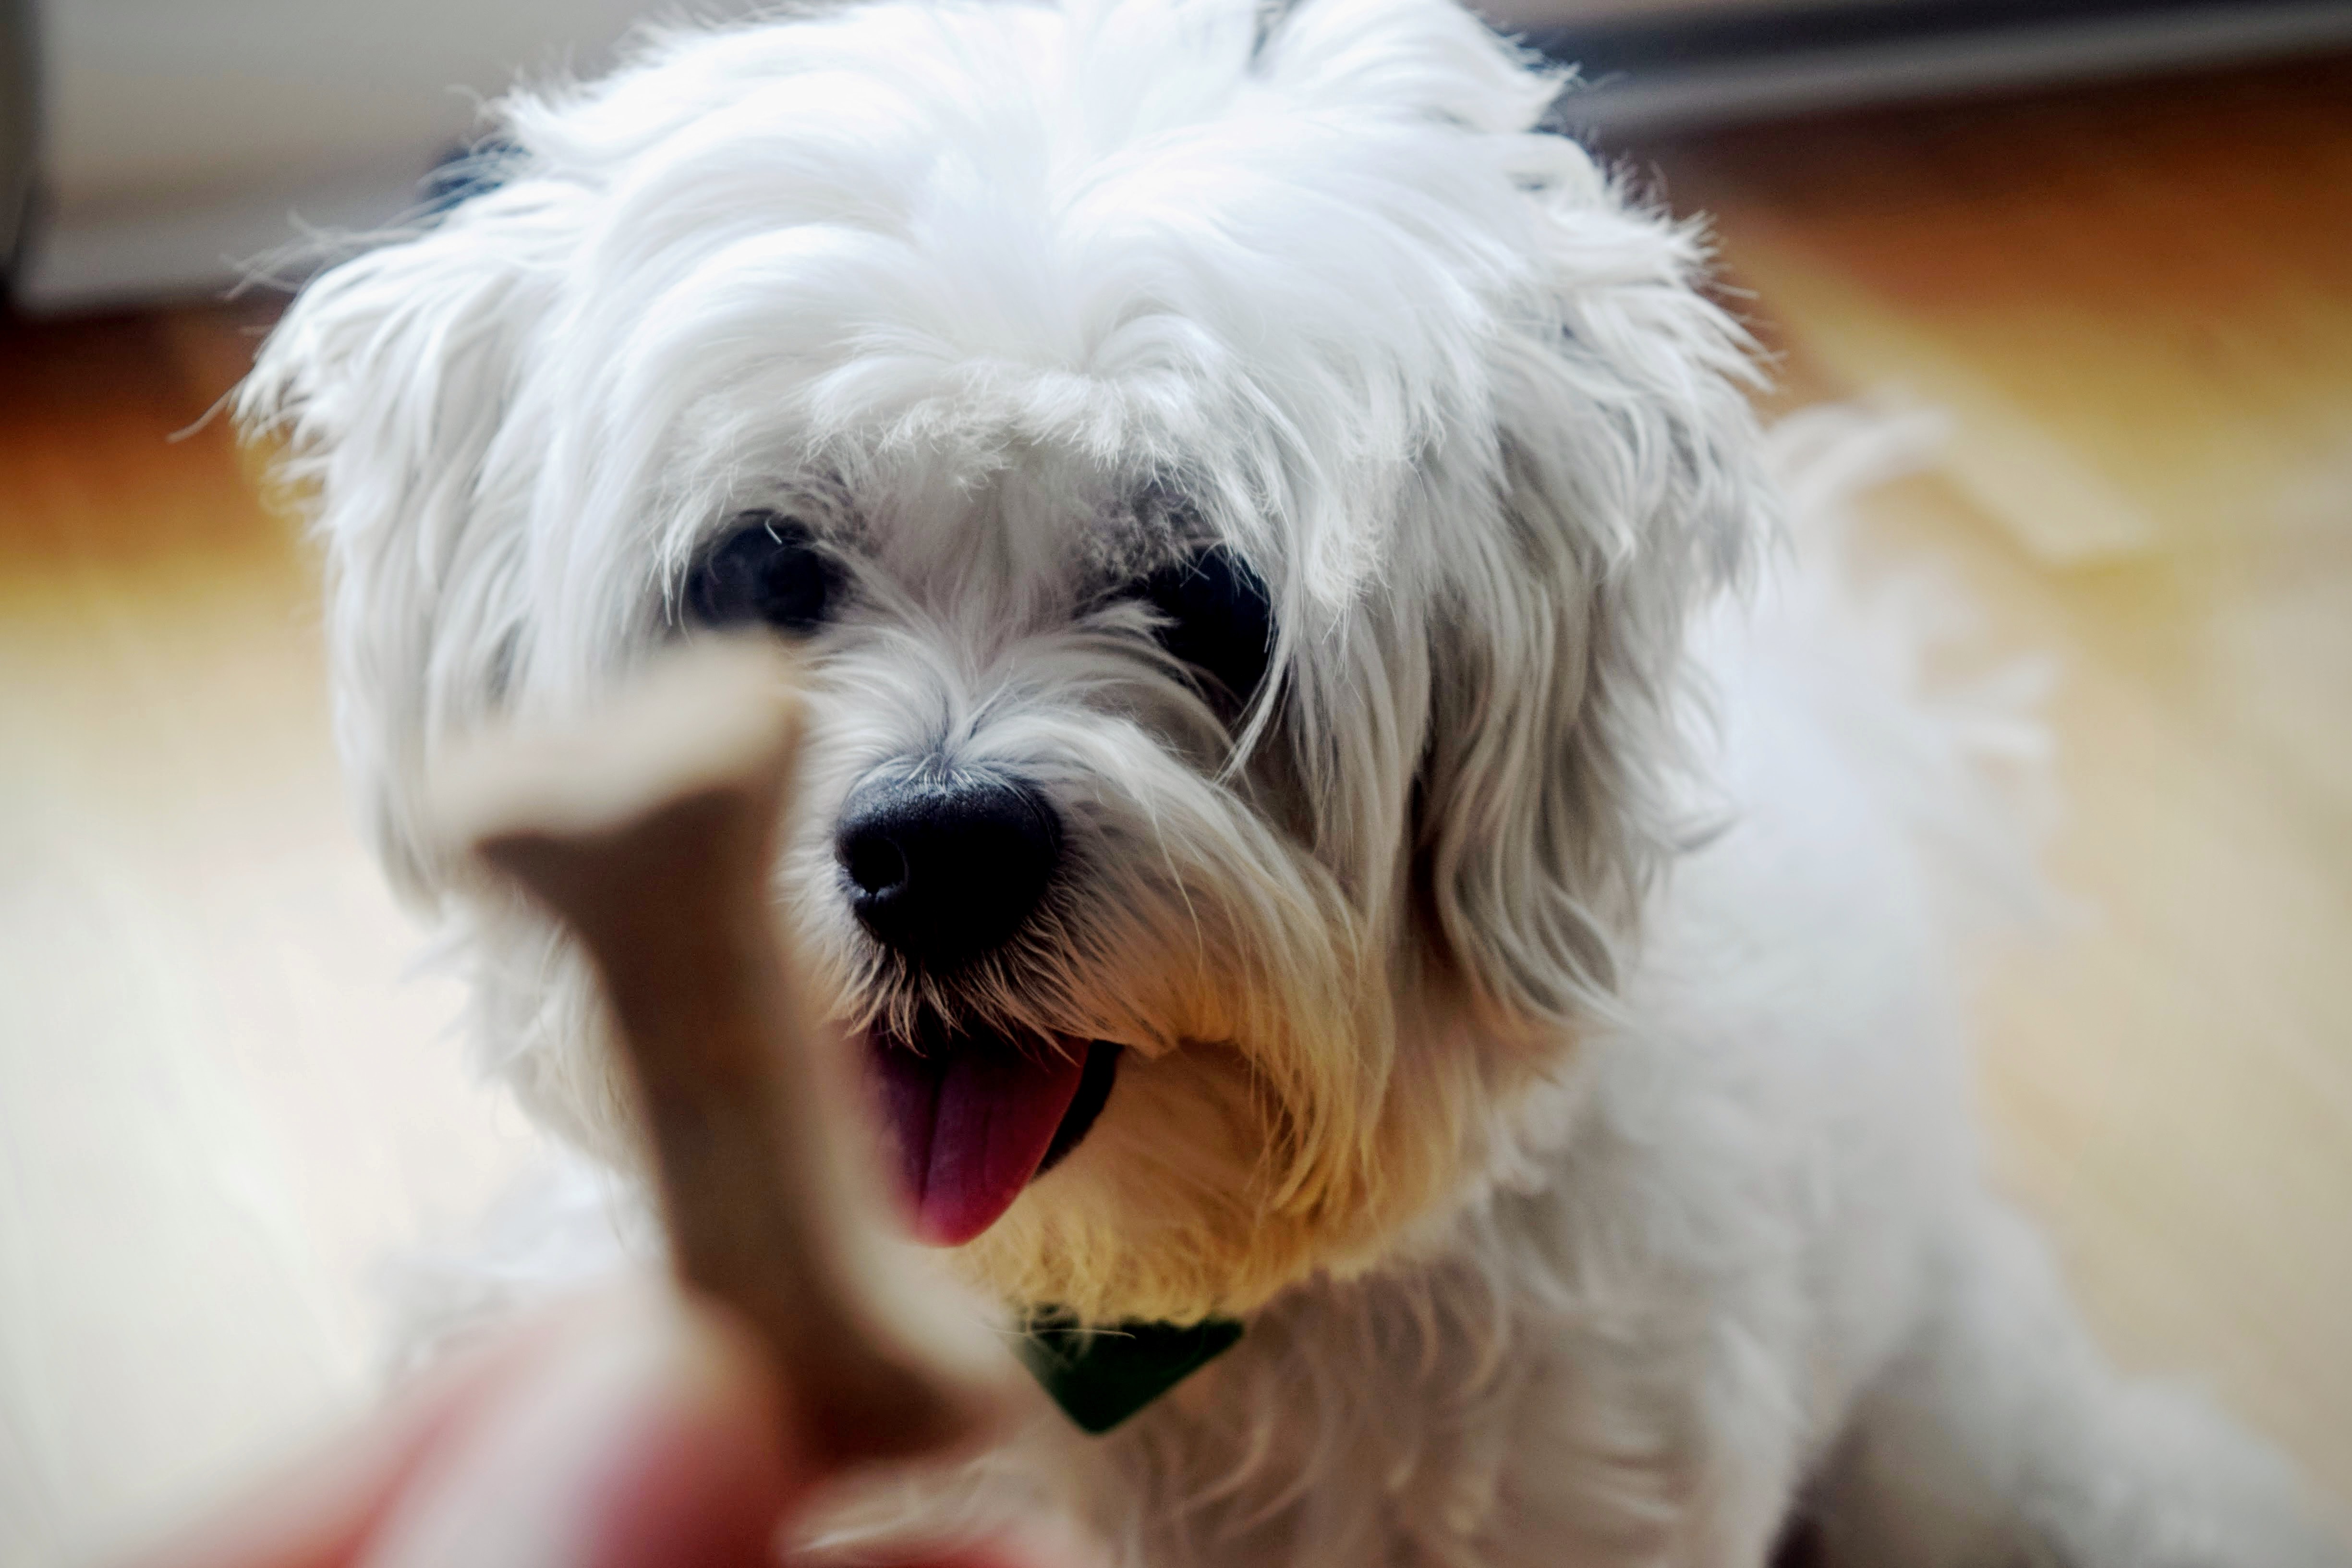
point(1101, 1376)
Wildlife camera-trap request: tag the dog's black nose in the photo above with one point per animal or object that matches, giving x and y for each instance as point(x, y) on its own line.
point(946, 870)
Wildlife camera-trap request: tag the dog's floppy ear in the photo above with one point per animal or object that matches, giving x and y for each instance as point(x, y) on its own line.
point(1628, 487)
point(393, 379)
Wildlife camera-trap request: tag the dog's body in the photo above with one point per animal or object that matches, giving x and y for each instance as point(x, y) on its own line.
point(1295, 829)
point(1735, 1282)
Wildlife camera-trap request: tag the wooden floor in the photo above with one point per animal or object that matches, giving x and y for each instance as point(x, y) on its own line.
point(220, 1103)
point(221, 1100)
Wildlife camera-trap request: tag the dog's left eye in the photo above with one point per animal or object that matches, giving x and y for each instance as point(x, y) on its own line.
point(768, 570)
point(1220, 617)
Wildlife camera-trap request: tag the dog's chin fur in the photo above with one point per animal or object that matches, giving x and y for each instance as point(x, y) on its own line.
point(1008, 303)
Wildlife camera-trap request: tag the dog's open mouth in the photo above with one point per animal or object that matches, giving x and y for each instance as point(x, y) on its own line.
point(974, 1117)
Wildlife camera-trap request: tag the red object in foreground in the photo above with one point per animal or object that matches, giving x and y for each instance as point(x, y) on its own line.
point(667, 1457)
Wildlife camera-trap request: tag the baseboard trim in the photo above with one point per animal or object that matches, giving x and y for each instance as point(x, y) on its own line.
point(1699, 69)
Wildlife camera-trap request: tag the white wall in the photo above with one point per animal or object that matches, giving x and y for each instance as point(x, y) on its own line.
point(181, 137)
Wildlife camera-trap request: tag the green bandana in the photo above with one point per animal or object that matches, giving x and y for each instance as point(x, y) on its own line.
point(1101, 1376)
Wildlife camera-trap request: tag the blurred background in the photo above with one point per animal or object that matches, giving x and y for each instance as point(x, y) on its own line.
point(2112, 239)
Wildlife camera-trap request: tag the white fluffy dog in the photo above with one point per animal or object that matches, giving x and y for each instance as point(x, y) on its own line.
point(1254, 504)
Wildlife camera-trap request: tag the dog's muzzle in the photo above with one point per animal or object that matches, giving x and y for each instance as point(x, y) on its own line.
point(943, 869)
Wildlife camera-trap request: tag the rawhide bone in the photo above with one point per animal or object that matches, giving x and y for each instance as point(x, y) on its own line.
point(651, 833)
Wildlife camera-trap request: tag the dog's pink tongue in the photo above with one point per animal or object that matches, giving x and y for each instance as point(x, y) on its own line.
point(972, 1119)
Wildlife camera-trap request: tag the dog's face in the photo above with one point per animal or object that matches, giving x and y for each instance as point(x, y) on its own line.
point(1237, 485)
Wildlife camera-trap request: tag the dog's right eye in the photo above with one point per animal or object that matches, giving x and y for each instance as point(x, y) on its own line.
point(1219, 617)
point(768, 570)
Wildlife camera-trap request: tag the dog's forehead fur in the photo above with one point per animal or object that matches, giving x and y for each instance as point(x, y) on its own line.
point(948, 520)
point(1266, 266)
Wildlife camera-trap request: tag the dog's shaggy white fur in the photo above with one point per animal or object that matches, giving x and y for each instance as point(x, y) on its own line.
point(1535, 996)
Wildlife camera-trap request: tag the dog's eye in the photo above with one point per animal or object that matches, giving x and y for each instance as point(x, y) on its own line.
point(767, 569)
point(1220, 618)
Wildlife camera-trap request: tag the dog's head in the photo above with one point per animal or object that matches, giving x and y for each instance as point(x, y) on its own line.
point(1238, 483)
